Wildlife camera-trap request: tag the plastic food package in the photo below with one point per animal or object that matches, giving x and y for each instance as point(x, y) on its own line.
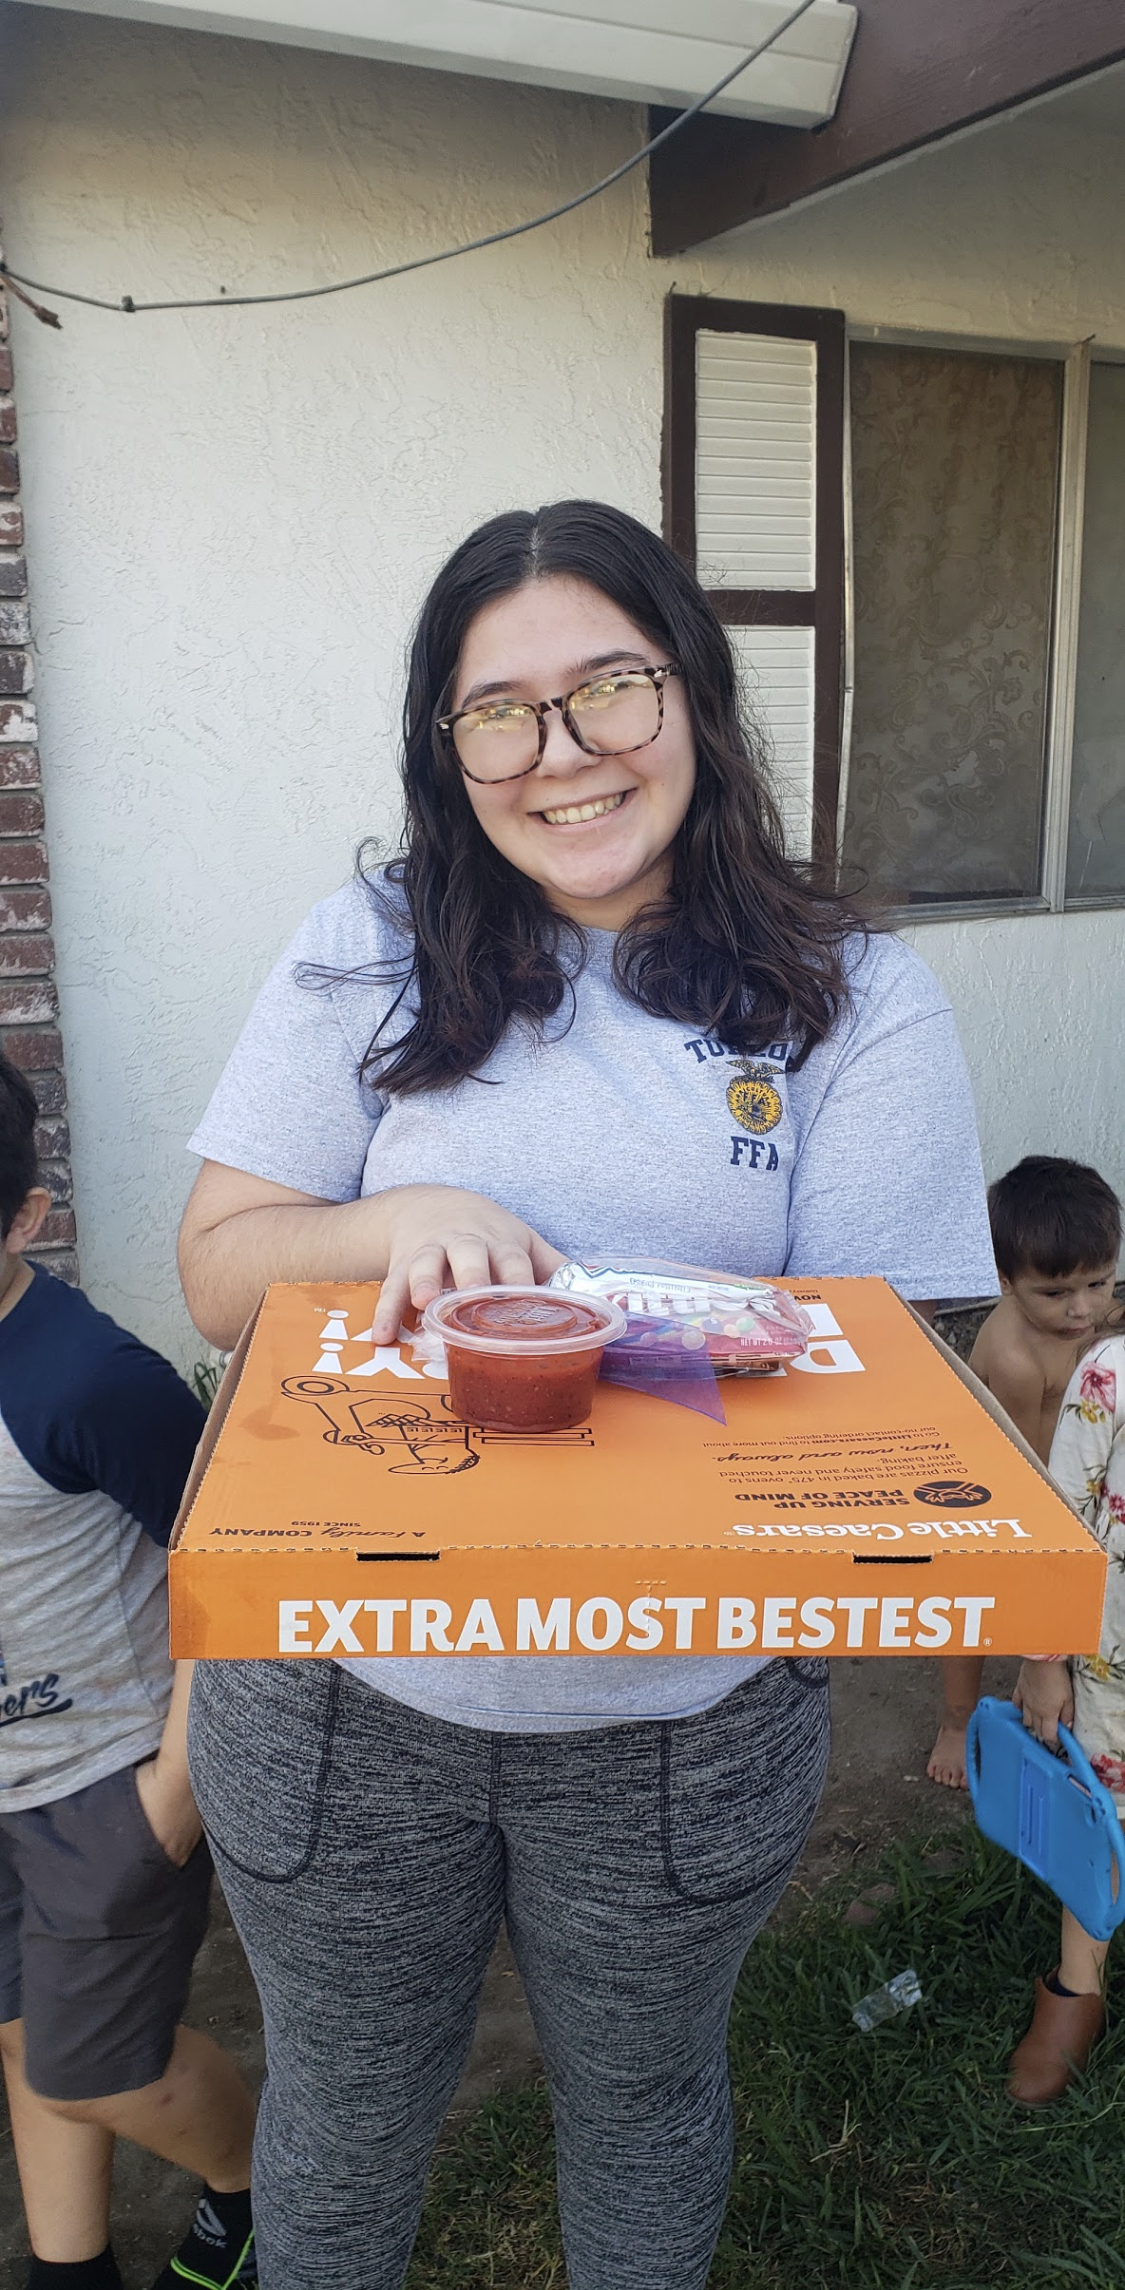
point(686, 1326)
point(518, 1358)
point(741, 1326)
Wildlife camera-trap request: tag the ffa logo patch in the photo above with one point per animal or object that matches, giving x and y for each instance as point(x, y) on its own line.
point(752, 1098)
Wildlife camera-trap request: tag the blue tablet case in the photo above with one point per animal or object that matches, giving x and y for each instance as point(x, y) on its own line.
point(1051, 1811)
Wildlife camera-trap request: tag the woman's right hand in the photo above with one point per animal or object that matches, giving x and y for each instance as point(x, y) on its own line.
point(240, 1232)
point(439, 1236)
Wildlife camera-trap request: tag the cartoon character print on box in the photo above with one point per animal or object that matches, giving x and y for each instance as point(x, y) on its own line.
point(411, 1431)
point(755, 1097)
point(413, 1434)
point(1088, 1465)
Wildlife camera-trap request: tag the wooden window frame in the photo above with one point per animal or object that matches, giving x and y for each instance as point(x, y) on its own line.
point(820, 608)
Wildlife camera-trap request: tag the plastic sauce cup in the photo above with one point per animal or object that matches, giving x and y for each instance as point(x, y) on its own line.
point(522, 1359)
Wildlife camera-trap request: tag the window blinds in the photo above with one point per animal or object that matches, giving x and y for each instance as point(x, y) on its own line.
point(755, 461)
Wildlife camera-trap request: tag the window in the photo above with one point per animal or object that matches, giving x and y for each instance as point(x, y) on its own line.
point(982, 730)
point(754, 498)
point(955, 469)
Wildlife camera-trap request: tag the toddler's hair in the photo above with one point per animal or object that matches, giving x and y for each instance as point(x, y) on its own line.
point(1053, 1217)
point(19, 1164)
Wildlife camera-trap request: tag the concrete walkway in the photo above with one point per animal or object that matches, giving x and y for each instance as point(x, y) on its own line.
point(884, 1718)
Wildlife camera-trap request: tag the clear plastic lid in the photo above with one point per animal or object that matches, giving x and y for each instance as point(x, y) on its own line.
point(524, 1323)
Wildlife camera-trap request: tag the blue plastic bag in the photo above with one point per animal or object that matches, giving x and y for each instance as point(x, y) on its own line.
point(1050, 1811)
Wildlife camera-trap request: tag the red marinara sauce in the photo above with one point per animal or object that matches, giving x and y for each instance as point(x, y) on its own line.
point(525, 1384)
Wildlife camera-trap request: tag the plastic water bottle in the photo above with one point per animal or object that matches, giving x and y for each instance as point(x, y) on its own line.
point(885, 2003)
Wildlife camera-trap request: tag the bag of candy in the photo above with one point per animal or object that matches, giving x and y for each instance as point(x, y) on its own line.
point(687, 1326)
point(744, 1325)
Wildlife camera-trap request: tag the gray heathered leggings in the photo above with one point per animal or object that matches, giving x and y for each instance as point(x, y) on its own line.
point(368, 1854)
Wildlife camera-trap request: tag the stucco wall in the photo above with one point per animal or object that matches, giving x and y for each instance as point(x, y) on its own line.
point(232, 515)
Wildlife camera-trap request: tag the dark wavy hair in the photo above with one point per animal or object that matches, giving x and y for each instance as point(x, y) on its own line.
point(744, 946)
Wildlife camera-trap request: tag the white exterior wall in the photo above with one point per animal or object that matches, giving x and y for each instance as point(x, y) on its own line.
point(231, 516)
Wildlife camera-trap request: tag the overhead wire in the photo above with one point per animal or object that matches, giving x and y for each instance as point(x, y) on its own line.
point(127, 305)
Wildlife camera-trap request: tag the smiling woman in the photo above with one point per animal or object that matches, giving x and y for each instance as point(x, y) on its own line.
point(592, 1009)
point(575, 756)
point(593, 817)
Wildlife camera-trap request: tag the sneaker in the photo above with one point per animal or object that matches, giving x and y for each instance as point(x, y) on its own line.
point(194, 2263)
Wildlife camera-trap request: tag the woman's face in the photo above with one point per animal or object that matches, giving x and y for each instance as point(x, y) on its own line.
point(541, 641)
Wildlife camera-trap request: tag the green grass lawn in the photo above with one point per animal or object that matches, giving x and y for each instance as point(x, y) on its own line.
point(889, 2161)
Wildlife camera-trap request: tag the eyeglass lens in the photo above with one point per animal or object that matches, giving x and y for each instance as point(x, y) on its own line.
point(610, 715)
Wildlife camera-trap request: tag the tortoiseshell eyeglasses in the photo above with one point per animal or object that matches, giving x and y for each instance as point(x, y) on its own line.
point(612, 714)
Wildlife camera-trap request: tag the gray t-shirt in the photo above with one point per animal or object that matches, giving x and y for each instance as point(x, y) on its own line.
point(623, 1134)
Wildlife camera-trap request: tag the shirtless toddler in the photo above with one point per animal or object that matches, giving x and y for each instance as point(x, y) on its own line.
point(1056, 1234)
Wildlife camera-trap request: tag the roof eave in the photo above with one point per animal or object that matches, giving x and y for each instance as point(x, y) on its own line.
point(919, 75)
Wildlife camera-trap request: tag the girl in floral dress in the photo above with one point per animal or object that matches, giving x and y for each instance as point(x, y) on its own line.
point(1086, 1693)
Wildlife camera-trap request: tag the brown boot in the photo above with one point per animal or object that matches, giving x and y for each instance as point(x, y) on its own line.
point(1063, 2032)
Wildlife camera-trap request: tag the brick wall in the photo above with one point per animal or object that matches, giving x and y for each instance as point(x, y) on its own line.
point(29, 1029)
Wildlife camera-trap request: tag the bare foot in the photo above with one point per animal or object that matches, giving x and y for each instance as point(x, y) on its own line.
point(947, 1763)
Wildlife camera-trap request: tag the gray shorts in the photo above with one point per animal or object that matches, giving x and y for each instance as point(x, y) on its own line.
point(98, 1934)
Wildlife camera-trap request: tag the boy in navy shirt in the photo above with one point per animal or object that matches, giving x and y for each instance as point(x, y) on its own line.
point(104, 1874)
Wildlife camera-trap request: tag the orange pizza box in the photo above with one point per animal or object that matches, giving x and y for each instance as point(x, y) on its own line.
point(870, 1498)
